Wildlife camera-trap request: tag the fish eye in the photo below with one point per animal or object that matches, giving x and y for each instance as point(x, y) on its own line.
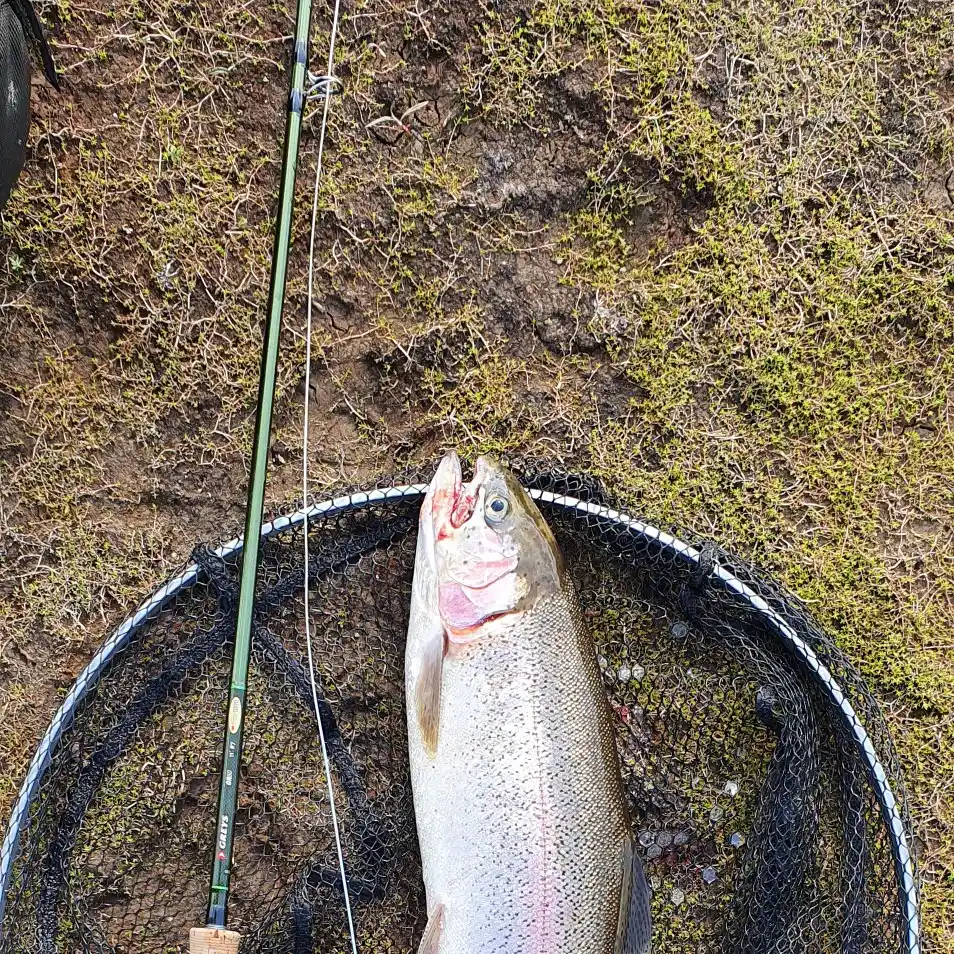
point(497, 508)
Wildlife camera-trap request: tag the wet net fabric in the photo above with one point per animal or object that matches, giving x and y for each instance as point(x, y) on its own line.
point(760, 821)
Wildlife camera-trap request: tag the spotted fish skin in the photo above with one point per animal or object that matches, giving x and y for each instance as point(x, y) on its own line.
point(521, 816)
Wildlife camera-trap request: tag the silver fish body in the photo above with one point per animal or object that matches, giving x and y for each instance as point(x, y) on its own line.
point(521, 817)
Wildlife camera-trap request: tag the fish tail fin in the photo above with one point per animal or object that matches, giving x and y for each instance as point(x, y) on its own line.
point(635, 924)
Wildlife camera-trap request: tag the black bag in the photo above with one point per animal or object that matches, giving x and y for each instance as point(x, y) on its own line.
point(18, 25)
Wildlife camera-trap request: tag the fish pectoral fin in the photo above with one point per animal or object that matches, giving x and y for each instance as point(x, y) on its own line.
point(635, 925)
point(427, 691)
point(432, 933)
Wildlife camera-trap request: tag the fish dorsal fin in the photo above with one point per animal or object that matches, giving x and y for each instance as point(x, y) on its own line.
point(635, 926)
point(427, 689)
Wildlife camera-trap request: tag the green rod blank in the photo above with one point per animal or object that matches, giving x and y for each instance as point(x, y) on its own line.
point(235, 719)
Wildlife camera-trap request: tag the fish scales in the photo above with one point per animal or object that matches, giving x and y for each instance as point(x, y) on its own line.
point(527, 750)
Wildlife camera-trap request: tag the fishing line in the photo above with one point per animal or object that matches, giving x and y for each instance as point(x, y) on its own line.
point(325, 85)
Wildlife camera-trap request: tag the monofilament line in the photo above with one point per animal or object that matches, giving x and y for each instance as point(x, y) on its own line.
point(304, 474)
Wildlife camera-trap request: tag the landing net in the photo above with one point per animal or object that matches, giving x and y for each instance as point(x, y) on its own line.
point(768, 803)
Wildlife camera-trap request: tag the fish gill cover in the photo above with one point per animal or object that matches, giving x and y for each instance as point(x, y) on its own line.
point(766, 796)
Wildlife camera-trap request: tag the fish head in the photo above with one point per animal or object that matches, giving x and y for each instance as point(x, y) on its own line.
point(493, 552)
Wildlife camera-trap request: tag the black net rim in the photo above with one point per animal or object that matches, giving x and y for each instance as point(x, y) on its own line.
point(674, 547)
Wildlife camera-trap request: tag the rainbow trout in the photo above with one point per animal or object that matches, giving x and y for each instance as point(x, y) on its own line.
point(522, 822)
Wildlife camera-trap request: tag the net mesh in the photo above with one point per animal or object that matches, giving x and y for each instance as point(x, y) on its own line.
point(757, 811)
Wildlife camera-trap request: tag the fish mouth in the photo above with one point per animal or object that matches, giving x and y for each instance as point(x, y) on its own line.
point(445, 492)
point(453, 501)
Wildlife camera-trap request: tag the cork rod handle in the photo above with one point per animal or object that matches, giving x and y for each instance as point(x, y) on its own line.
point(210, 940)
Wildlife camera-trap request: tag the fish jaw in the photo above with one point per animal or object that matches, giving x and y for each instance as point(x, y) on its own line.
point(452, 502)
point(467, 612)
point(442, 495)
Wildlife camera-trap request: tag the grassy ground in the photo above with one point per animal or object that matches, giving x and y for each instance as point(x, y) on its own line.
point(703, 249)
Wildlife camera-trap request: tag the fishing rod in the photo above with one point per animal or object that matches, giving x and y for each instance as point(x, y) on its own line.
point(215, 937)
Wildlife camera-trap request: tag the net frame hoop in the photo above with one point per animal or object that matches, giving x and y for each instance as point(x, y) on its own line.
point(89, 678)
